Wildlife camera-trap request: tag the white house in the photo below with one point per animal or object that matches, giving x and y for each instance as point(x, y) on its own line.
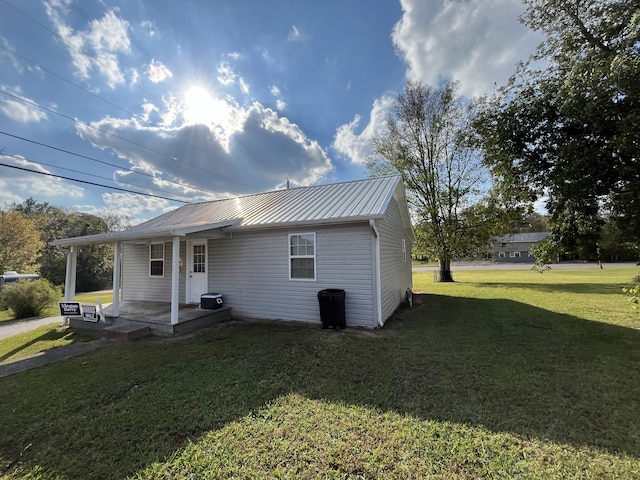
point(269, 254)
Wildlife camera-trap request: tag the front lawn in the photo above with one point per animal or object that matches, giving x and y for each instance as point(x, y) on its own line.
point(37, 341)
point(508, 374)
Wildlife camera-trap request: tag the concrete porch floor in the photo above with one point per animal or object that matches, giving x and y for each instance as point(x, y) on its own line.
point(139, 318)
point(156, 312)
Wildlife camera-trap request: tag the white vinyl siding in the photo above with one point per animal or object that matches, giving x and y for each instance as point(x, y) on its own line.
point(395, 272)
point(251, 270)
point(136, 282)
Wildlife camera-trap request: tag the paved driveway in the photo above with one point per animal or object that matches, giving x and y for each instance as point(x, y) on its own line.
point(9, 329)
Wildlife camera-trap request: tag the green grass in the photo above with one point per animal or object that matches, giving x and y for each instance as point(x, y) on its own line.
point(509, 374)
point(37, 341)
point(90, 298)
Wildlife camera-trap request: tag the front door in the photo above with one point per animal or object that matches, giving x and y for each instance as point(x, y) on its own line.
point(197, 270)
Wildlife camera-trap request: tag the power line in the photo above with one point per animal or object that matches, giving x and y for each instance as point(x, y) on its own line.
point(79, 87)
point(97, 60)
point(75, 120)
point(89, 183)
point(106, 132)
point(108, 67)
point(45, 145)
point(44, 164)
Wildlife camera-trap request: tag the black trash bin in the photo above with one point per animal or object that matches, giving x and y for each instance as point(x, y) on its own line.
point(331, 302)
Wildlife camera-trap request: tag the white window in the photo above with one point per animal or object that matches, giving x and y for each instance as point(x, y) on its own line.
point(500, 254)
point(514, 254)
point(302, 256)
point(156, 260)
point(404, 250)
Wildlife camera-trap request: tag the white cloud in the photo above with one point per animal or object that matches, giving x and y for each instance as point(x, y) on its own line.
point(226, 75)
point(134, 205)
point(357, 146)
point(20, 111)
point(17, 184)
point(95, 48)
point(477, 42)
point(244, 86)
point(275, 91)
point(149, 26)
point(158, 72)
point(251, 149)
point(296, 35)
point(4, 54)
point(281, 104)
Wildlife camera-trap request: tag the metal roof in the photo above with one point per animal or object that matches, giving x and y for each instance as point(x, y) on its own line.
point(359, 200)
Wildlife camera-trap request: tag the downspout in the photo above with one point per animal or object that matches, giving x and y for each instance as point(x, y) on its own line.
point(376, 274)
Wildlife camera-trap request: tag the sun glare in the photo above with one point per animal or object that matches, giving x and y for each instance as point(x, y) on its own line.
point(201, 108)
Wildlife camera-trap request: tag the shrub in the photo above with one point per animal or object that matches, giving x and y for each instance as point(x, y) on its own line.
point(634, 292)
point(28, 298)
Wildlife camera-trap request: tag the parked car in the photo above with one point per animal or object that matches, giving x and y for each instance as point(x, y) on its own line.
point(11, 277)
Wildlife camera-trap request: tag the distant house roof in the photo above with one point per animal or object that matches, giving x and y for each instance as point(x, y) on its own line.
point(359, 200)
point(532, 237)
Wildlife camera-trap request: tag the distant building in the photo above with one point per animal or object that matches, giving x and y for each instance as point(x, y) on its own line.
point(516, 246)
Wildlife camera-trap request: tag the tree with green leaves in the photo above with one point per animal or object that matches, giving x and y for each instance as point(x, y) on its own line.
point(95, 262)
point(20, 243)
point(566, 125)
point(427, 142)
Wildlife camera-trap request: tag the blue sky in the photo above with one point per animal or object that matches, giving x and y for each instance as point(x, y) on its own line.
point(198, 100)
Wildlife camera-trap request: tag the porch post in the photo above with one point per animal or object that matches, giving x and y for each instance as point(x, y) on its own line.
point(70, 276)
point(115, 306)
point(175, 280)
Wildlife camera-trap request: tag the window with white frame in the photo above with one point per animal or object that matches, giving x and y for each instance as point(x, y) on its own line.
point(404, 250)
point(514, 254)
point(156, 260)
point(302, 256)
point(500, 254)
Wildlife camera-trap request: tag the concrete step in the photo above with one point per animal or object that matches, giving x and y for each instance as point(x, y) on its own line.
point(126, 332)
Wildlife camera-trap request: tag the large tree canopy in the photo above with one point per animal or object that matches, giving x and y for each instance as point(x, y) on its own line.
point(20, 243)
point(567, 124)
point(95, 262)
point(427, 141)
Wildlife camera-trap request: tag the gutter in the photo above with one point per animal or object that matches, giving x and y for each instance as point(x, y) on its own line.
point(377, 279)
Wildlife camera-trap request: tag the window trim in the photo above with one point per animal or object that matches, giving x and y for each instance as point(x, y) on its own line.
point(313, 257)
point(515, 254)
point(404, 250)
point(501, 255)
point(156, 259)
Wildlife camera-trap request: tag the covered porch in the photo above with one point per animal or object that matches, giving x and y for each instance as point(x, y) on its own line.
point(137, 319)
point(168, 317)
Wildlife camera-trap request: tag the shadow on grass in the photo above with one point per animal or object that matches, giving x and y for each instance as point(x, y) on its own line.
point(50, 336)
point(577, 288)
point(499, 364)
